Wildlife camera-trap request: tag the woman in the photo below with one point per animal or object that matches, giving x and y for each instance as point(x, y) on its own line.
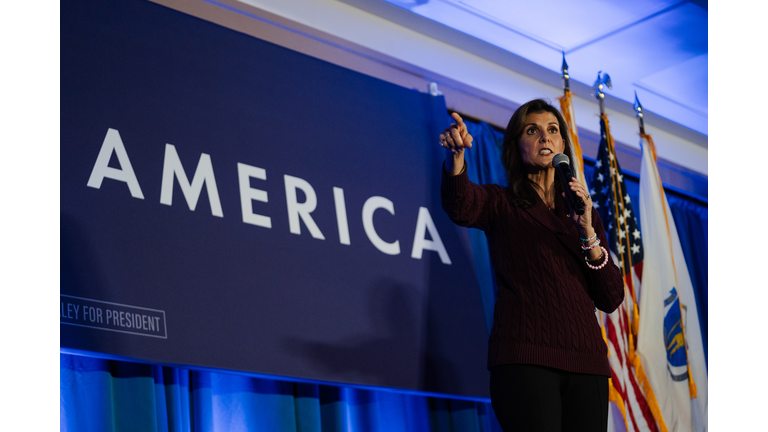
point(547, 358)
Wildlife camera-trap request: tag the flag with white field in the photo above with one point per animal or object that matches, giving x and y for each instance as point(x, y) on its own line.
point(669, 349)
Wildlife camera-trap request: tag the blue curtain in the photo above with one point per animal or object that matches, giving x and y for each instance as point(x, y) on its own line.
point(109, 395)
point(691, 220)
point(484, 167)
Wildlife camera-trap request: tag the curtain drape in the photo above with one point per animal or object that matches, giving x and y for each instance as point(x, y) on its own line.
point(109, 395)
point(484, 167)
point(98, 395)
point(691, 220)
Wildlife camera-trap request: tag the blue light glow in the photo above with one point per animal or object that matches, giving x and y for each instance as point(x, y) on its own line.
point(657, 48)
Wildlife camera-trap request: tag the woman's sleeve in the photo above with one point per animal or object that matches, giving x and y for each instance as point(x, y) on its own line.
point(466, 203)
point(606, 285)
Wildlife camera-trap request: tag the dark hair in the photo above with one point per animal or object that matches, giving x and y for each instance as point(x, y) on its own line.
point(518, 183)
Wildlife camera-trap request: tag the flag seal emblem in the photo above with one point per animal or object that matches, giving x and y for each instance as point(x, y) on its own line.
point(674, 339)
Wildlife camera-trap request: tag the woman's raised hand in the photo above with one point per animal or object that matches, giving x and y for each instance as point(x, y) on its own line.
point(455, 139)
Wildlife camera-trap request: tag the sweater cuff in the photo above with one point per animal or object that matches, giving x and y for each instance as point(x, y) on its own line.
point(455, 184)
point(609, 287)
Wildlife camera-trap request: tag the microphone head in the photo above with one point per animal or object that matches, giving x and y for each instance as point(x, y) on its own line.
point(560, 158)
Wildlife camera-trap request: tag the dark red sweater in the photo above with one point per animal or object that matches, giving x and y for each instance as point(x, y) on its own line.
point(544, 313)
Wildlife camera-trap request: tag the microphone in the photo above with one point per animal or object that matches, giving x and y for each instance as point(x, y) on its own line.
point(561, 164)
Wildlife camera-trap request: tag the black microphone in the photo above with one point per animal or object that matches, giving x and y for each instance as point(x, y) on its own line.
point(561, 164)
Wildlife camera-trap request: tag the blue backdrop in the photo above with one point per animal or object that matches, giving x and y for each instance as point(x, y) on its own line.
point(233, 205)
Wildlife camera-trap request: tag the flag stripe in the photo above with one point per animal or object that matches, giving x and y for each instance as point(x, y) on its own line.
point(642, 404)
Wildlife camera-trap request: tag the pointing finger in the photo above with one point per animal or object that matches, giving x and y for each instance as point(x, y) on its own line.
point(459, 120)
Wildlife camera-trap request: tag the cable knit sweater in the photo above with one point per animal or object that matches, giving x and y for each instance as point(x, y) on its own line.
point(546, 295)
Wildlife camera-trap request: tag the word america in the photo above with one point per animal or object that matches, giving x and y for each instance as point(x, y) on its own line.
point(172, 168)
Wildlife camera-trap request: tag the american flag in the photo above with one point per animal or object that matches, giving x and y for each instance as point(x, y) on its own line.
point(610, 199)
point(612, 202)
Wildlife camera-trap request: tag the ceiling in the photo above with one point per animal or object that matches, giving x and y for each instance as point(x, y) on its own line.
point(657, 48)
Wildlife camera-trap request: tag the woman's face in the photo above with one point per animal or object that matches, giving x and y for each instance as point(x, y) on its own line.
point(540, 140)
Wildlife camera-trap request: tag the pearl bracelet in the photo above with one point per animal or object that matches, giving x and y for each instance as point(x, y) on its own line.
point(605, 261)
point(589, 239)
point(593, 245)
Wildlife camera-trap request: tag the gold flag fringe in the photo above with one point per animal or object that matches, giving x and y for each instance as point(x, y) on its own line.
point(566, 108)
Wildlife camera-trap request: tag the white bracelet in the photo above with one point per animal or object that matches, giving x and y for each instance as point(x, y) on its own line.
point(592, 246)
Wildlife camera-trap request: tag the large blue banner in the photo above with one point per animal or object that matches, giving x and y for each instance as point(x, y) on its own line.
point(230, 204)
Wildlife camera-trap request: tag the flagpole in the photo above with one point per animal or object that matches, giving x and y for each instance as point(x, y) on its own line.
point(639, 114)
point(566, 77)
point(603, 81)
